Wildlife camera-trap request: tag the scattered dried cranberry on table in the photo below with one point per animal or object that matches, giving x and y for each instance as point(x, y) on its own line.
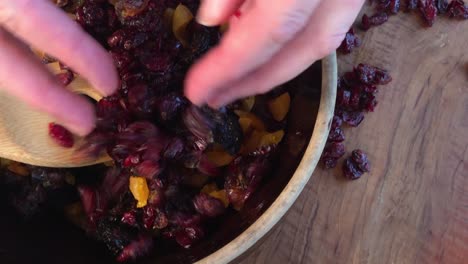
point(350, 42)
point(356, 95)
point(356, 165)
point(428, 9)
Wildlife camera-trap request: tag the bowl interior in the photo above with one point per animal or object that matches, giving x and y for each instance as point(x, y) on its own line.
point(51, 239)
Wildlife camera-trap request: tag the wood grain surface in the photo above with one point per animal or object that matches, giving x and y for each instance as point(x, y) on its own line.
point(413, 206)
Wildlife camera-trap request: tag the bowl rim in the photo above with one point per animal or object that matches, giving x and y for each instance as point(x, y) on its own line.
point(301, 176)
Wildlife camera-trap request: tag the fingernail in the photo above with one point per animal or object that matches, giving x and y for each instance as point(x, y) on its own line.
point(209, 11)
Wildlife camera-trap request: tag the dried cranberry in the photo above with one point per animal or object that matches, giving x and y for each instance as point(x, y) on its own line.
point(65, 78)
point(442, 6)
point(457, 9)
point(351, 171)
point(356, 165)
point(207, 205)
point(343, 98)
point(412, 5)
point(375, 20)
point(360, 159)
point(350, 42)
point(129, 218)
point(61, 135)
point(428, 11)
point(136, 248)
point(244, 175)
point(371, 75)
point(353, 119)
point(334, 150)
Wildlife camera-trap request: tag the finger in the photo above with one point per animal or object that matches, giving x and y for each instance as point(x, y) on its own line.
point(216, 12)
point(323, 35)
point(260, 32)
point(23, 76)
point(41, 24)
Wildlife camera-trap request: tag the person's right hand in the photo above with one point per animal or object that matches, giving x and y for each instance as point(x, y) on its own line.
point(40, 24)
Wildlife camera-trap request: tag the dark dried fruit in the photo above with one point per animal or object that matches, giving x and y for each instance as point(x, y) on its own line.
point(137, 248)
point(356, 165)
point(350, 42)
point(61, 135)
point(457, 9)
point(371, 75)
point(428, 11)
point(207, 205)
point(442, 6)
point(375, 20)
point(65, 78)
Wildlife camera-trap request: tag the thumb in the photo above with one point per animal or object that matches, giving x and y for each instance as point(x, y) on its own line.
point(216, 12)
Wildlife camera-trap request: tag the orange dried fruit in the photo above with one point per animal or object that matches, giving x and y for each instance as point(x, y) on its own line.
point(181, 18)
point(256, 122)
point(220, 195)
point(209, 188)
point(219, 158)
point(247, 103)
point(279, 106)
point(196, 180)
point(139, 188)
point(271, 138)
point(18, 168)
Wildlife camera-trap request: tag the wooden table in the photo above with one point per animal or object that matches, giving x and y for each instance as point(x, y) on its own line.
point(413, 206)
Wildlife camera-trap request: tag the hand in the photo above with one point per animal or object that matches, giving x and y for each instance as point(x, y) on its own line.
point(42, 25)
point(268, 43)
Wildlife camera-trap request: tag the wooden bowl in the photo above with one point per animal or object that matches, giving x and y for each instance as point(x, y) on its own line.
point(300, 177)
point(53, 240)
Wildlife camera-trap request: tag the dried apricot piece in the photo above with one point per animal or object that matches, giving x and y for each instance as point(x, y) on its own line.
point(139, 188)
point(222, 196)
point(219, 158)
point(209, 188)
point(181, 18)
point(279, 107)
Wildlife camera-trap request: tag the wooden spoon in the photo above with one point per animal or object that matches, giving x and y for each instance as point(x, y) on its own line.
point(24, 133)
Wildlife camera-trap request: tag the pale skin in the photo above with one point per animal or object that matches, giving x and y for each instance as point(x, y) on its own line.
point(265, 46)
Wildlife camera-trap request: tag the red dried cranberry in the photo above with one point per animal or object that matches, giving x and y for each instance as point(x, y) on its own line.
point(368, 102)
point(371, 75)
point(161, 221)
point(61, 135)
point(412, 5)
point(351, 171)
point(457, 9)
point(129, 218)
point(394, 6)
point(65, 78)
point(336, 135)
point(343, 98)
point(442, 6)
point(329, 163)
point(350, 42)
point(149, 215)
point(207, 205)
point(360, 159)
point(353, 119)
point(334, 150)
point(137, 248)
point(428, 11)
point(148, 169)
point(244, 175)
point(375, 20)
point(356, 165)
